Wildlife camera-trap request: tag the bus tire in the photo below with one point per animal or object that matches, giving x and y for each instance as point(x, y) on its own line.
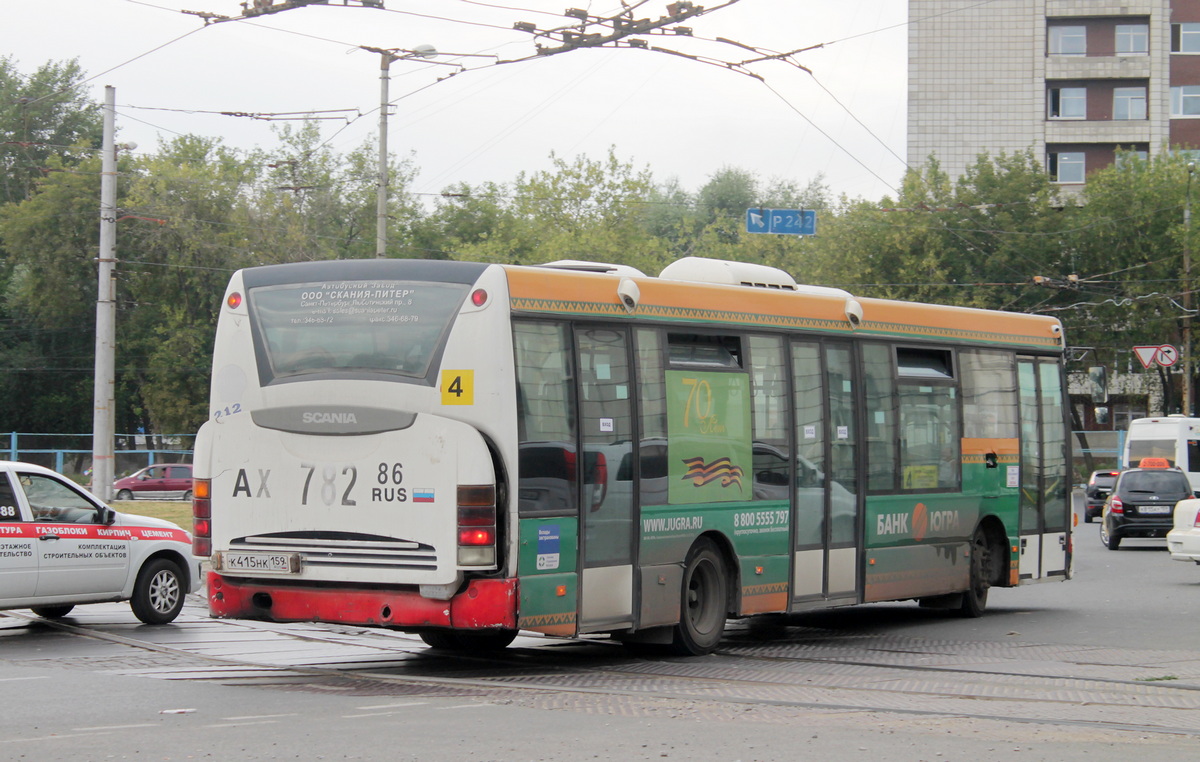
point(472, 640)
point(53, 612)
point(974, 598)
point(704, 597)
point(158, 593)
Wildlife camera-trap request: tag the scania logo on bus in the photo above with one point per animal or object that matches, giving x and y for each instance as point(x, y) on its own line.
point(322, 417)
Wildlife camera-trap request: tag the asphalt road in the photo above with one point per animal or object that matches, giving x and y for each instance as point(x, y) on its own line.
point(1103, 667)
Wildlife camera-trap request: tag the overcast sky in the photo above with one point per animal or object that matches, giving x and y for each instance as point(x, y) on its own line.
point(681, 118)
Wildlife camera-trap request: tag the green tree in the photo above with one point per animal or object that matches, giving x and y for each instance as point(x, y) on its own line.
point(48, 130)
point(48, 345)
point(44, 114)
point(586, 210)
point(185, 230)
point(312, 203)
point(1128, 254)
point(977, 242)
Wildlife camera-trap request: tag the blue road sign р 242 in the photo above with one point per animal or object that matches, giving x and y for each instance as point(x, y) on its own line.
point(781, 221)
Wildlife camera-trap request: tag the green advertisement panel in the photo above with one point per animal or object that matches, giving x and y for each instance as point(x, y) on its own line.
point(708, 437)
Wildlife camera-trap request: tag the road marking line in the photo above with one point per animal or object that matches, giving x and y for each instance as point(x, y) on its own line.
point(54, 737)
point(393, 706)
point(12, 679)
point(257, 717)
point(115, 727)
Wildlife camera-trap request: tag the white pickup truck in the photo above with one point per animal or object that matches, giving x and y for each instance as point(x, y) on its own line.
point(61, 546)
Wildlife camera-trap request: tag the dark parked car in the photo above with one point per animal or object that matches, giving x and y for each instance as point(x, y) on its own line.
point(1142, 503)
point(1099, 486)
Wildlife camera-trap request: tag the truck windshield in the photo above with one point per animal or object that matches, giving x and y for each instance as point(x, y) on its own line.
point(353, 325)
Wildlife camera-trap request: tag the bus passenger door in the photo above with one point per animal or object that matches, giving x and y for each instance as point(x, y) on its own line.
point(827, 505)
point(1045, 507)
point(607, 457)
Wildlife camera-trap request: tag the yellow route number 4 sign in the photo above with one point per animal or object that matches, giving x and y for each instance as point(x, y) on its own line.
point(458, 387)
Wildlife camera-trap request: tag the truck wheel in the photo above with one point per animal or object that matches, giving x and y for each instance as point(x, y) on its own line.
point(158, 593)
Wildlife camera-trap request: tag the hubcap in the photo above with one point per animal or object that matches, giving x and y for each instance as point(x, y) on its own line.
point(164, 591)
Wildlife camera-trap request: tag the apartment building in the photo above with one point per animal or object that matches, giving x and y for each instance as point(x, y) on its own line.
point(1075, 80)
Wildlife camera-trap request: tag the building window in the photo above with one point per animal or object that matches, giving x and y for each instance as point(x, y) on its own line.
point(1127, 156)
point(1133, 39)
point(1185, 100)
point(1185, 38)
point(1066, 167)
point(1068, 40)
point(1129, 103)
point(1067, 103)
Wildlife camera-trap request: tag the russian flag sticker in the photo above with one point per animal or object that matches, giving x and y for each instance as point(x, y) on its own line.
point(422, 495)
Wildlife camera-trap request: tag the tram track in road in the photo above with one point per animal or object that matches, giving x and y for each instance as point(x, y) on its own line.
point(801, 670)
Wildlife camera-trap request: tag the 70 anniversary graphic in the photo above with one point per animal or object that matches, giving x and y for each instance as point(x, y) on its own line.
point(708, 442)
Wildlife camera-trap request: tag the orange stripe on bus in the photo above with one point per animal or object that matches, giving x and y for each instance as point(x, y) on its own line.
point(569, 293)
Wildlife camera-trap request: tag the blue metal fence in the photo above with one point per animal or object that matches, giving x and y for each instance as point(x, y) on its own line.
point(71, 454)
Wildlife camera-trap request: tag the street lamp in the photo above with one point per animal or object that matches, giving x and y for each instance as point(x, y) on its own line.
point(386, 57)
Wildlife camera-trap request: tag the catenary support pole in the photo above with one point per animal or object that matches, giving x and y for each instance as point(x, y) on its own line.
point(103, 418)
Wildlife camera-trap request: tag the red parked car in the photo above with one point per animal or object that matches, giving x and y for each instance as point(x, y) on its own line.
point(166, 481)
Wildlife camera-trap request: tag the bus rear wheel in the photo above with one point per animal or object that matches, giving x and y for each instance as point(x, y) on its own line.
point(705, 595)
point(975, 597)
point(472, 640)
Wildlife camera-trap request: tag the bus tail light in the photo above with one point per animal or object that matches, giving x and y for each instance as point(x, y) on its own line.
point(476, 525)
point(201, 517)
point(1116, 505)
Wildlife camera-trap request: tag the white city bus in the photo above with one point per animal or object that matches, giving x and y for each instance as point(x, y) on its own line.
point(466, 450)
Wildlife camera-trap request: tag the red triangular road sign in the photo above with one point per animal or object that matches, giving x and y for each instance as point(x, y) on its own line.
point(1146, 355)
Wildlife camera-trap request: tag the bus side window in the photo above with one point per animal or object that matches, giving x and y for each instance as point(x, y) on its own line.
point(1193, 454)
point(546, 464)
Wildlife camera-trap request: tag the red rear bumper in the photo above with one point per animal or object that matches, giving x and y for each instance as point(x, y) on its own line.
point(485, 604)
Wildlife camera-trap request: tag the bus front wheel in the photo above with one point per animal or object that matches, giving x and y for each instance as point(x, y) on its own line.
point(704, 601)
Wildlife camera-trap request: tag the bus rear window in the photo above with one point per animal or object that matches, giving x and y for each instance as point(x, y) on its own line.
point(1151, 448)
point(352, 326)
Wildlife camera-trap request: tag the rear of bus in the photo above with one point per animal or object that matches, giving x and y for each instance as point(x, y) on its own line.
point(347, 471)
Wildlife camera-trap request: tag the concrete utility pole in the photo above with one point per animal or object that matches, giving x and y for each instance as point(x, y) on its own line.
point(387, 57)
point(381, 192)
point(1187, 295)
point(106, 310)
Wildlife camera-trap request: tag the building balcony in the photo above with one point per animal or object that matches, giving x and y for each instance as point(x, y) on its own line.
point(1093, 8)
point(1081, 131)
point(1109, 67)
